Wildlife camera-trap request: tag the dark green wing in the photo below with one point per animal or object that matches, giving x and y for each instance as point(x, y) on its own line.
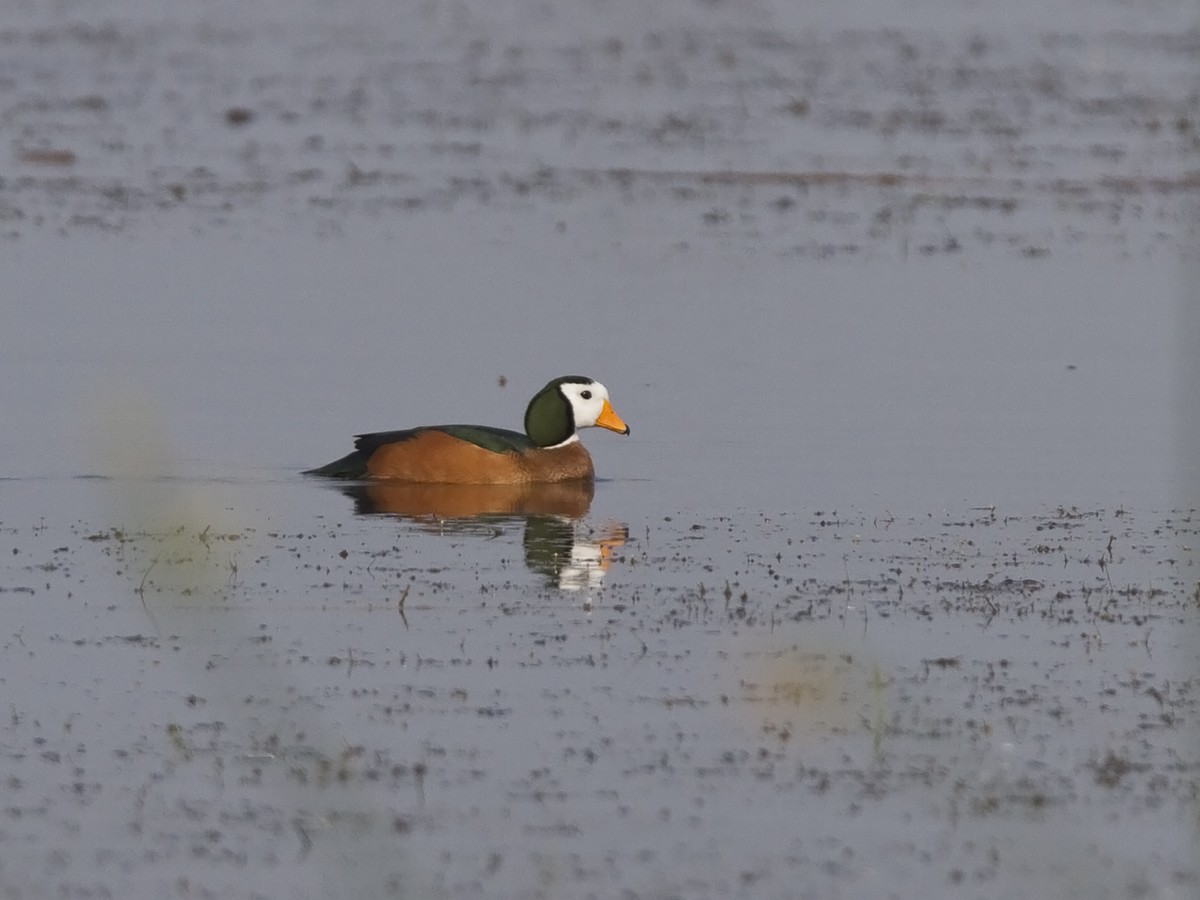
point(354, 465)
point(498, 440)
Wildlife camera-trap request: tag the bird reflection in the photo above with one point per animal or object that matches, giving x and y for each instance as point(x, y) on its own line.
point(557, 544)
point(470, 501)
point(573, 561)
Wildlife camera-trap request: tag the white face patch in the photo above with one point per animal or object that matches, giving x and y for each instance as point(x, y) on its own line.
point(586, 399)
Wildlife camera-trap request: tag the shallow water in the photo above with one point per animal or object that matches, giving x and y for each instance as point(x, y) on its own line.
point(314, 702)
point(890, 593)
point(868, 383)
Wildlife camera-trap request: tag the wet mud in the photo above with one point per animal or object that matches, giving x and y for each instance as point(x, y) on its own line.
point(927, 137)
point(794, 704)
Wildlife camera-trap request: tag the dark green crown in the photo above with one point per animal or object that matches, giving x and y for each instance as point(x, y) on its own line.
point(548, 418)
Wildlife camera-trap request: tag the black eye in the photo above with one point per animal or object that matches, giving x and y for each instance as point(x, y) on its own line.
point(586, 395)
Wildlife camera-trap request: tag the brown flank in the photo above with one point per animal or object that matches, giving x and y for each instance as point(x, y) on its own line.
point(434, 456)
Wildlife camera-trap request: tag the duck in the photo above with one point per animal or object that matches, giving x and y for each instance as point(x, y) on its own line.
point(549, 451)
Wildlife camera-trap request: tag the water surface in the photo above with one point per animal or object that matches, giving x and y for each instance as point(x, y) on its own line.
point(891, 591)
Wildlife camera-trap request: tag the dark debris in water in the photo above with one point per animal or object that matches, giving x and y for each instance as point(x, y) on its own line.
point(944, 677)
point(950, 149)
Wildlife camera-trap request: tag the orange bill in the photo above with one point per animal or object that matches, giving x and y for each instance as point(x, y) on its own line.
point(610, 420)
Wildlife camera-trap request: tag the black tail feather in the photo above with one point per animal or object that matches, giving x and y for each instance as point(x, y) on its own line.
point(352, 465)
